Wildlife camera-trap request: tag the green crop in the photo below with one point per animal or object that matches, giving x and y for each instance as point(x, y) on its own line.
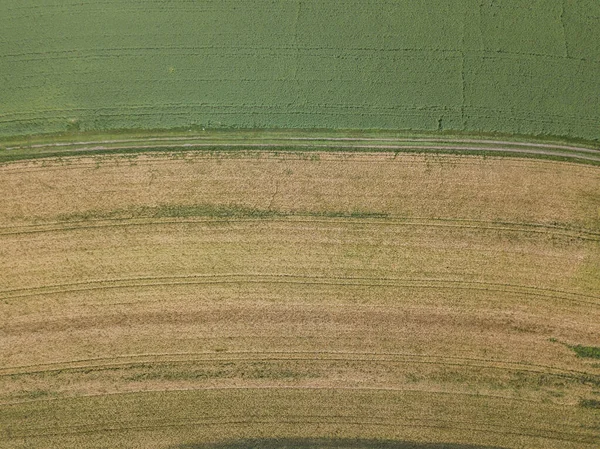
point(517, 66)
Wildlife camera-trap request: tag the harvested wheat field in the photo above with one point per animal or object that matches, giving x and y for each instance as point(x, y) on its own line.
point(288, 299)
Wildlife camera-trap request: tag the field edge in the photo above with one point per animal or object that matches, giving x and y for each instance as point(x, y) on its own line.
point(293, 140)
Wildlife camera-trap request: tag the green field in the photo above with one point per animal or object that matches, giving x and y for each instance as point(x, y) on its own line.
point(516, 66)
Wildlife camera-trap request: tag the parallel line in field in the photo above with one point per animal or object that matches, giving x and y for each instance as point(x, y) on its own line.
point(391, 145)
point(280, 108)
point(438, 140)
point(301, 217)
point(223, 50)
point(542, 152)
point(321, 110)
point(301, 388)
point(398, 108)
point(251, 278)
point(293, 218)
point(319, 356)
point(378, 421)
point(290, 282)
point(582, 377)
point(308, 113)
point(175, 109)
point(313, 139)
point(232, 51)
point(542, 149)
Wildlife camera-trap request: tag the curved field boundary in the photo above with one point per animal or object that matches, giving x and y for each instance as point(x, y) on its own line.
point(313, 139)
point(448, 145)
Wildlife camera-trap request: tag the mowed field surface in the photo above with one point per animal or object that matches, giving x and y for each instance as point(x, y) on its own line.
point(173, 300)
point(515, 66)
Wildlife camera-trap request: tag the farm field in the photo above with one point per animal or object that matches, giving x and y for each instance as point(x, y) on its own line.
point(338, 299)
point(516, 66)
point(299, 224)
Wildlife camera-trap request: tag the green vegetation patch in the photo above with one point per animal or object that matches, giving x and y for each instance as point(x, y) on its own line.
point(208, 210)
point(588, 352)
point(590, 403)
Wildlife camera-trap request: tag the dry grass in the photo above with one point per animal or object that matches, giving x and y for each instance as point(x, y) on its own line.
point(428, 186)
point(158, 301)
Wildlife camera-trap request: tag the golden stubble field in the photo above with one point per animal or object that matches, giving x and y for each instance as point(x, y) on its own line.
point(169, 299)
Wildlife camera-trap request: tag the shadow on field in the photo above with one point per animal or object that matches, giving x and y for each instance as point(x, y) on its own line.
point(304, 443)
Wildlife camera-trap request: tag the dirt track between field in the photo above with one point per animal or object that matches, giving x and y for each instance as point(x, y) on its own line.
point(341, 143)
